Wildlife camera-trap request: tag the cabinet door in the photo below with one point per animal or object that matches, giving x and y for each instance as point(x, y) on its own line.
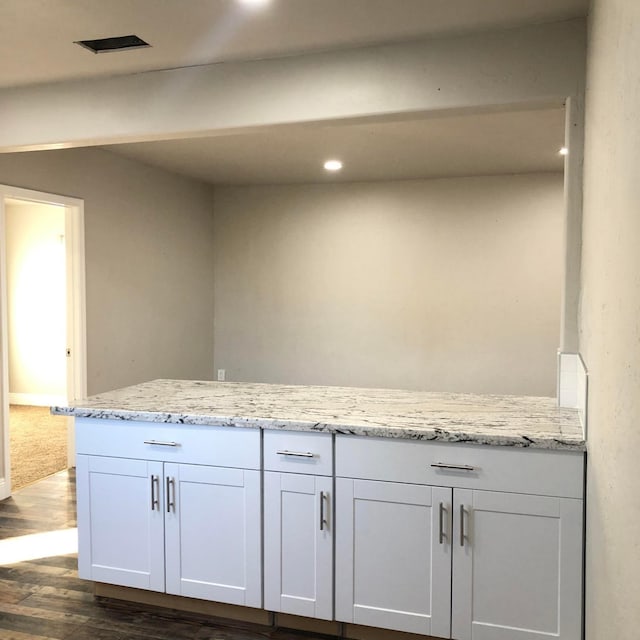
point(393, 568)
point(298, 544)
point(213, 533)
point(120, 522)
point(517, 568)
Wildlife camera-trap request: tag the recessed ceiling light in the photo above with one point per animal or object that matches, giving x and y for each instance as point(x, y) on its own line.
point(333, 165)
point(564, 151)
point(254, 3)
point(117, 43)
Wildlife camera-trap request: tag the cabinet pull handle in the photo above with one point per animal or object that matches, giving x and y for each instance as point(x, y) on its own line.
point(155, 482)
point(297, 454)
point(463, 535)
point(441, 534)
point(455, 467)
point(162, 444)
point(322, 518)
point(170, 502)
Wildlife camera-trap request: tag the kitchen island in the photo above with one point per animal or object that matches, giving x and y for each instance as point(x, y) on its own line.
point(449, 515)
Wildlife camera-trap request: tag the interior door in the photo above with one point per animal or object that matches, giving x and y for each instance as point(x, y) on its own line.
point(76, 363)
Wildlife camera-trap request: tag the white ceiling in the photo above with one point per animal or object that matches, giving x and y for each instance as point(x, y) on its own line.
point(462, 145)
point(37, 36)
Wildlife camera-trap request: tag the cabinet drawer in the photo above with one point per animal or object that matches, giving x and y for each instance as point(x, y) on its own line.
point(298, 452)
point(537, 471)
point(189, 444)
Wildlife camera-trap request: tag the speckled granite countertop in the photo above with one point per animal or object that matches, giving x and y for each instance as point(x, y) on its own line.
point(516, 421)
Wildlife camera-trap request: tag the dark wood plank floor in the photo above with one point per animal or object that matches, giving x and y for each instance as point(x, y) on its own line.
point(44, 598)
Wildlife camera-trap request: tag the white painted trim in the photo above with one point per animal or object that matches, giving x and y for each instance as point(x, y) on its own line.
point(76, 314)
point(36, 399)
point(5, 470)
point(18, 193)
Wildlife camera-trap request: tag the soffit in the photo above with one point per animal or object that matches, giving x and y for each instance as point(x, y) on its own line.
point(37, 43)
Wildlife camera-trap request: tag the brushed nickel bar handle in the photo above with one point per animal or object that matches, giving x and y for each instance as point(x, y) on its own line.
point(162, 444)
point(455, 467)
point(155, 481)
point(170, 502)
point(296, 454)
point(441, 533)
point(322, 511)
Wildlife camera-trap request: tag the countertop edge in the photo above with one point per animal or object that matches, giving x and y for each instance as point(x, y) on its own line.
point(406, 433)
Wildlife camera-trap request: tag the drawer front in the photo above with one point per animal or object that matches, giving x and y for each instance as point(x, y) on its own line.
point(298, 452)
point(188, 444)
point(516, 470)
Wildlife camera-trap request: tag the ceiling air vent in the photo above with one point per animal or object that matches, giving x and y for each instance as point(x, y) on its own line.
point(118, 43)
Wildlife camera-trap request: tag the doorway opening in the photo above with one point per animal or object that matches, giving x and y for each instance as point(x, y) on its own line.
point(43, 331)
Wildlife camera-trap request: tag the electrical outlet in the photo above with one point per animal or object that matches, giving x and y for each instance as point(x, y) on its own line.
point(221, 375)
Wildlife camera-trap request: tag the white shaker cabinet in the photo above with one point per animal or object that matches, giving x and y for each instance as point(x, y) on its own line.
point(517, 566)
point(163, 522)
point(393, 550)
point(510, 565)
point(298, 523)
point(120, 521)
point(212, 531)
point(446, 540)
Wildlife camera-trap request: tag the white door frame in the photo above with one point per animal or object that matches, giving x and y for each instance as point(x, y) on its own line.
point(76, 316)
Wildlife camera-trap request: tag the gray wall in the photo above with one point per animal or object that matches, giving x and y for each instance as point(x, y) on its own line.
point(445, 284)
point(610, 324)
point(149, 264)
point(441, 285)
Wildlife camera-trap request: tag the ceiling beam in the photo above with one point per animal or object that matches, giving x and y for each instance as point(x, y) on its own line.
point(543, 63)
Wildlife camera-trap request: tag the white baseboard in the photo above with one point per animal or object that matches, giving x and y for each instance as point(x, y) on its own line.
point(37, 400)
point(5, 489)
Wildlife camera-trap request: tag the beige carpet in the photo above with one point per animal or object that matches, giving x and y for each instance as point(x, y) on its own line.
point(38, 444)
